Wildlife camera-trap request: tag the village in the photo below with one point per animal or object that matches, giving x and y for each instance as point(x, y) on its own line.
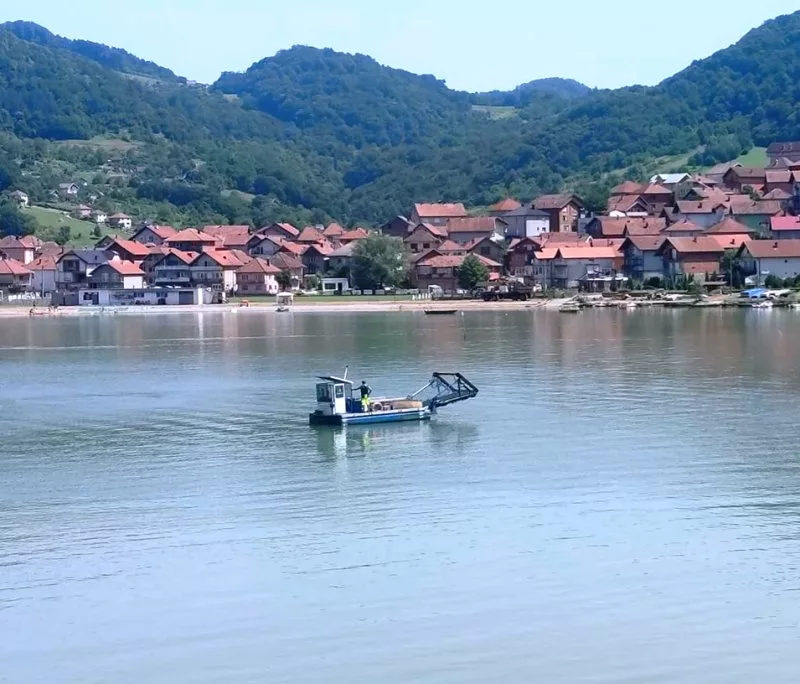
point(731, 226)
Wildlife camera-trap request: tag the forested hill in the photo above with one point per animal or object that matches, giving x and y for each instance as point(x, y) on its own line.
point(311, 131)
point(112, 58)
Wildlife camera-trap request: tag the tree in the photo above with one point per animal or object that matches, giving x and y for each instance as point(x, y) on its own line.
point(64, 234)
point(472, 273)
point(378, 262)
point(14, 222)
point(284, 281)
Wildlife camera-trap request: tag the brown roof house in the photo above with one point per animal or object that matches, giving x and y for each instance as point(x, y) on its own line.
point(785, 227)
point(564, 211)
point(258, 277)
point(216, 268)
point(290, 264)
point(695, 257)
point(641, 260)
point(437, 214)
point(783, 150)
point(703, 213)
point(741, 177)
point(191, 240)
point(424, 237)
point(779, 258)
point(504, 206)
point(117, 274)
point(757, 215)
point(23, 249)
point(399, 226)
point(464, 230)
point(442, 270)
point(153, 234)
point(14, 275)
point(613, 227)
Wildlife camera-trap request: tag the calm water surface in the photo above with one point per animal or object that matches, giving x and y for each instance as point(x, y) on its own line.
point(621, 503)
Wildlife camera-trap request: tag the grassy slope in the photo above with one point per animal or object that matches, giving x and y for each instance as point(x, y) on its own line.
point(755, 158)
point(81, 231)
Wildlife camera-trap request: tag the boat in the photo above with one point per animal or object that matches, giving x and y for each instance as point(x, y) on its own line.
point(570, 307)
point(440, 312)
point(338, 402)
point(763, 304)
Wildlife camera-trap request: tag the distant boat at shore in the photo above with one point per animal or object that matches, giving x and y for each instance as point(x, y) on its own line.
point(440, 312)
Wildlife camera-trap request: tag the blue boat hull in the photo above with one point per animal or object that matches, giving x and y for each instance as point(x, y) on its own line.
point(400, 416)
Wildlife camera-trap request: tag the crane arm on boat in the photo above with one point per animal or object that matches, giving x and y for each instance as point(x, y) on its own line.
point(449, 388)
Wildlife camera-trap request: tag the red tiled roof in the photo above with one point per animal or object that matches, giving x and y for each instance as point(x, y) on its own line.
point(732, 241)
point(628, 187)
point(553, 201)
point(285, 261)
point(763, 207)
point(656, 189)
point(324, 248)
point(450, 246)
point(560, 239)
point(778, 176)
point(729, 226)
point(355, 234)
point(777, 194)
point(454, 261)
point(436, 231)
point(24, 242)
point(696, 244)
point(163, 231)
point(779, 223)
point(333, 230)
point(624, 203)
point(507, 204)
point(13, 267)
point(135, 248)
point(699, 207)
point(291, 247)
point(192, 235)
point(46, 262)
point(781, 249)
point(588, 252)
point(451, 210)
point(646, 243)
point(221, 257)
point(474, 224)
point(259, 265)
point(684, 226)
point(310, 234)
point(631, 225)
point(749, 172)
point(118, 216)
point(126, 268)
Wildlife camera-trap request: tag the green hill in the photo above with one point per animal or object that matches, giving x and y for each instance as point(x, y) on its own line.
point(309, 134)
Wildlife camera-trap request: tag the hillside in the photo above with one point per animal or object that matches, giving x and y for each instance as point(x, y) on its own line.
point(309, 134)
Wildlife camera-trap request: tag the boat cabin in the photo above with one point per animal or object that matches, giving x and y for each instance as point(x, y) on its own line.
point(335, 397)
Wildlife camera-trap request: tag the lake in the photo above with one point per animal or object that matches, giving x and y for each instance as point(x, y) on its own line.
point(620, 503)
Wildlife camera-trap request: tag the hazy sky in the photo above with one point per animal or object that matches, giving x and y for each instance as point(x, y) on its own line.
point(495, 44)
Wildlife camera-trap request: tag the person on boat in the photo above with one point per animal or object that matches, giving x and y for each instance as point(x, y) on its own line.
point(365, 390)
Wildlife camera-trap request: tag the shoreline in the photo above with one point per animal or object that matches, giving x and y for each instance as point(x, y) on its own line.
point(16, 311)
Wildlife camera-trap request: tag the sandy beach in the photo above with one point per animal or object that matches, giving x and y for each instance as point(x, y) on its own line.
point(361, 306)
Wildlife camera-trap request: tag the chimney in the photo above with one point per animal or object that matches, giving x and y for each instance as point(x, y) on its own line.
point(775, 245)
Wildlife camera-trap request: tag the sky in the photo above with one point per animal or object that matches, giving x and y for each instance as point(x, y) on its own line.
point(475, 46)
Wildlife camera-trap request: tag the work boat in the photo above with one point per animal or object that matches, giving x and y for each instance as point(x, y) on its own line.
point(338, 403)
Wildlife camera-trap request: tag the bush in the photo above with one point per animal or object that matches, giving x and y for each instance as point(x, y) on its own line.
point(654, 283)
point(773, 282)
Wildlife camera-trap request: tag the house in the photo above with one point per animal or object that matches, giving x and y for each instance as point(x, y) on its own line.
point(258, 277)
point(290, 264)
point(265, 245)
point(340, 260)
point(99, 216)
point(521, 262)
point(563, 210)
point(399, 226)
point(703, 213)
point(282, 230)
point(641, 260)
point(82, 212)
point(488, 247)
point(464, 230)
point(780, 179)
point(777, 194)
point(229, 237)
point(613, 227)
point(437, 214)
point(43, 273)
point(783, 150)
point(629, 205)
point(153, 234)
point(741, 177)
point(670, 180)
point(717, 173)
point(23, 249)
point(172, 268)
point(336, 286)
point(353, 236)
point(628, 187)
point(442, 270)
point(311, 235)
point(116, 274)
point(216, 268)
point(424, 237)
point(570, 266)
point(74, 267)
point(14, 275)
point(333, 231)
point(780, 228)
point(695, 257)
point(20, 198)
point(315, 257)
point(729, 226)
point(779, 258)
point(657, 196)
point(525, 222)
point(128, 250)
point(683, 228)
point(191, 240)
point(757, 214)
point(67, 190)
point(120, 221)
point(504, 206)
